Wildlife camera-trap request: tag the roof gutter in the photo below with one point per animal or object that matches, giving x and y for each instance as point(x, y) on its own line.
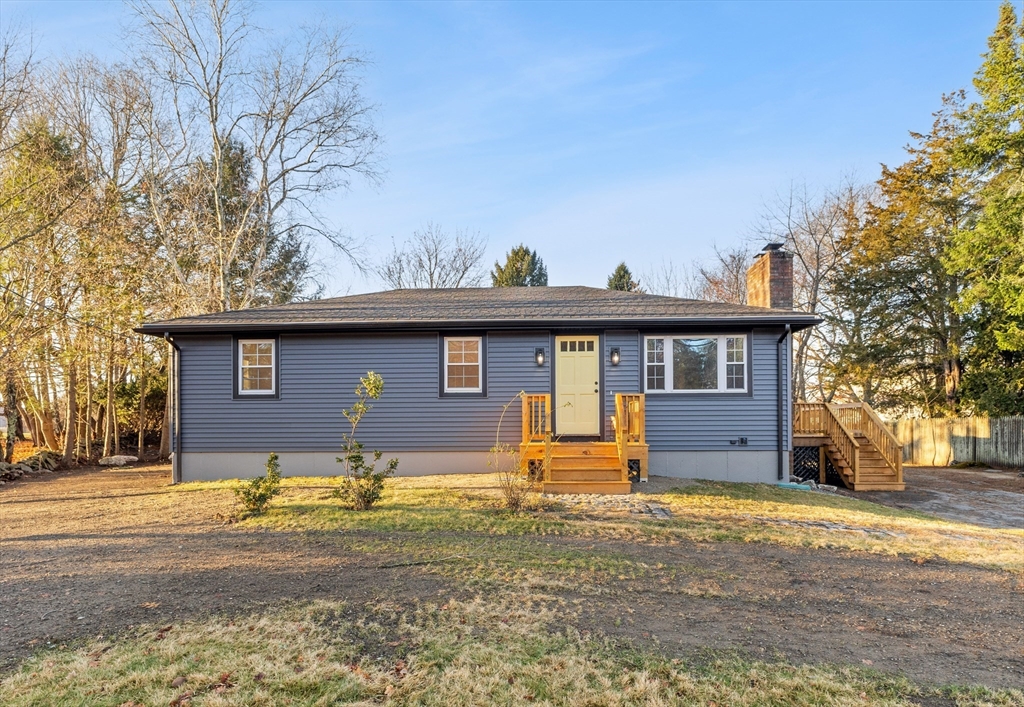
point(173, 376)
point(722, 323)
point(781, 347)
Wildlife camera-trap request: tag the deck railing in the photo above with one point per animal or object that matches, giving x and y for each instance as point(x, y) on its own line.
point(884, 440)
point(822, 418)
point(852, 419)
point(536, 416)
point(537, 428)
point(629, 425)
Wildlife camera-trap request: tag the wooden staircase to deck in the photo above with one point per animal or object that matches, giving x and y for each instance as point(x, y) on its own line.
point(866, 454)
point(584, 467)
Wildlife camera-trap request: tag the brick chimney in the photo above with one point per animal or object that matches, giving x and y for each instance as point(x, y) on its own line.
point(770, 278)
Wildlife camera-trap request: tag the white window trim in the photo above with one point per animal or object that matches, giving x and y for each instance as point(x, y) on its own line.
point(722, 366)
point(273, 367)
point(480, 364)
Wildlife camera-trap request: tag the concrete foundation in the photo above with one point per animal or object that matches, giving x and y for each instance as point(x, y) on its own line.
point(747, 466)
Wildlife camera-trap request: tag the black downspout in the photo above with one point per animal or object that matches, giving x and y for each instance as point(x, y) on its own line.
point(782, 402)
point(174, 373)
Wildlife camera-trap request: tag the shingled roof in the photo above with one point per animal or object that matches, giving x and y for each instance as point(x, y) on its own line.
point(483, 307)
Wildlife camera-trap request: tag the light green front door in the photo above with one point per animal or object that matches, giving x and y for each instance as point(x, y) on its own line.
point(577, 385)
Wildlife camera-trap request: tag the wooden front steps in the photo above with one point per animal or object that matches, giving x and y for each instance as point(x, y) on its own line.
point(584, 467)
point(579, 467)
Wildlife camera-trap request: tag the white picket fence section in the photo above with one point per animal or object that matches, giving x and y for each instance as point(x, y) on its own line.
point(941, 442)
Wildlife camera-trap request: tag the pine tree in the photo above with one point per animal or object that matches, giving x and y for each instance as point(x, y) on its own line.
point(622, 279)
point(991, 255)
point(522, 268)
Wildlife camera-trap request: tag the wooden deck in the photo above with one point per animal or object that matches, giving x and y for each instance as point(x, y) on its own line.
point(866, 454)
point(856, 441)
point(584, 467)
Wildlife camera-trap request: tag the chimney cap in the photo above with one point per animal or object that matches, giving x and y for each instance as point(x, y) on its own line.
point(773, 246)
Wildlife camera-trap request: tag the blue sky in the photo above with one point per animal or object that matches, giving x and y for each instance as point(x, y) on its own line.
point(600, 132)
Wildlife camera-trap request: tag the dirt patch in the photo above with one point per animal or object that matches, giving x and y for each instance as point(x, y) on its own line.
point(991, 498)
point(95, 551)
point(935, 622)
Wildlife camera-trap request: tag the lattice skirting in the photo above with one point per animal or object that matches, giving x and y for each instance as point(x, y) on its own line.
point(805, 463)
point(806, 466)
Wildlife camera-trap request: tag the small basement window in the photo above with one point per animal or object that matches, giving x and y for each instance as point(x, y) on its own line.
point(695, 364)
point(256, 362)
point(463, 369)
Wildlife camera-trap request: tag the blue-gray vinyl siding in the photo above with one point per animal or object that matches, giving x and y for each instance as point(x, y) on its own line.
point(318, 374)
point(704, 421)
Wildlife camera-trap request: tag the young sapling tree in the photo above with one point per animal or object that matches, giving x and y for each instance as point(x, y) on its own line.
point(362, 485)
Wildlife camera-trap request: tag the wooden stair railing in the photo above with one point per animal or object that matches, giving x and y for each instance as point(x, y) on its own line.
point(822, 418)
point(620, 437)
point(629, 424)
point(884, 440)
point(842, 424)
point(537, 426)
point(582, 466)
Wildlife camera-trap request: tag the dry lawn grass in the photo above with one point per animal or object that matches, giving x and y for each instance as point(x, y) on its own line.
point(703, 511)
point(496, 652)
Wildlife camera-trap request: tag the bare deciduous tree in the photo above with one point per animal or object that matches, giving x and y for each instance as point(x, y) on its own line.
point(257, 131)
point(814, 227)
point(434, 258)
point(724, 279)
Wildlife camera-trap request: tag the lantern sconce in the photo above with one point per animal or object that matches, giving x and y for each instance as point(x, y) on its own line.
point(615, 356)
point(538, 356)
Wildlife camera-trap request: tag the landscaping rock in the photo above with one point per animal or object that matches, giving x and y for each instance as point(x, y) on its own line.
point(601, 504)
point(117, 460)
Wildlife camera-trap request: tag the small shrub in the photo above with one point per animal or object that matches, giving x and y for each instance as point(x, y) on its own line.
point(516, 487)
point(363, 485)
point(255, 494)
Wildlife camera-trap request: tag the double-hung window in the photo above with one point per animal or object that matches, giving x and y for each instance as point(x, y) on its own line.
point(463, 364)
point(686, 363)
point(256, 364)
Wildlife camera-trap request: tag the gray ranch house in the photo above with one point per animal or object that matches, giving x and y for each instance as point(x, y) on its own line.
point(615, 383)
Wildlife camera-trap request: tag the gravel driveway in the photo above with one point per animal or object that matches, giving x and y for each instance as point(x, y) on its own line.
point(989, 497)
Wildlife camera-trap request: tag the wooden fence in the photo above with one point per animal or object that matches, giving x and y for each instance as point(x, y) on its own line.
point(941, 442)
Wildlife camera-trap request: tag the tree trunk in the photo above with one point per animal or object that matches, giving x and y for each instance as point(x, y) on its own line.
point(142, 414)
point(88, 407)
point(117, 428)
point(108, 422)
point(49, 432)
point(71, 423)
point(11, 410)
point(165, 428)
point(28, 424)
point(952, 370)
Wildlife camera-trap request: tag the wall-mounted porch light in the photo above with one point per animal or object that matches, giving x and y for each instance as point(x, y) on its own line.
point(538, 356)
point(615, 356)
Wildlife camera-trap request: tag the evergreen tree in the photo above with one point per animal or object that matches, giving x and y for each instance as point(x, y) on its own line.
point(897, 271)
point(990, 256)
point(522, 268)
point(622, 279)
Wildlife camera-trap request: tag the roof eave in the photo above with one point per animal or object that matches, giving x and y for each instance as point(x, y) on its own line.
point(797, 322)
